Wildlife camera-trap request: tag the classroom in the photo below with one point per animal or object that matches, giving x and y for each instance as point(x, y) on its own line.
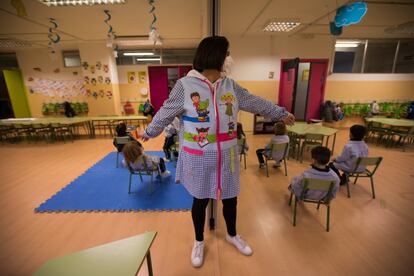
point(206, 137)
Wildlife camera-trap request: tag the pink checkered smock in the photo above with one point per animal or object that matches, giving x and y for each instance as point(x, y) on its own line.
point(207, 159)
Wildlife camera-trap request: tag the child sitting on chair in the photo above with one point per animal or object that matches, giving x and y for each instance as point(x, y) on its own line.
point(240, 135)
point(355, 148)
point(279, 138)
point(171, 132)
point(121, 131)
point(134, 155)
point(319, 170)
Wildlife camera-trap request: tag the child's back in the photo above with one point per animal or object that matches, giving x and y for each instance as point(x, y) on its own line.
point(277, 139)
point(314, 172)
point(355, 148)
point(319, 170)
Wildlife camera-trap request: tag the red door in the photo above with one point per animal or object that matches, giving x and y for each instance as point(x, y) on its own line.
point(287, 83)
point(316, 90)
point(158, 82)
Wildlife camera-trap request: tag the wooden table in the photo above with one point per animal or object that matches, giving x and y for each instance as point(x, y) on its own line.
point(123, 257)
point(301, 129)
point(392, 122)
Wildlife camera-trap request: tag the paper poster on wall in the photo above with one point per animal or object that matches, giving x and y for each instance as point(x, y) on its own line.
point(92, 69)
point(98, 65)
point(106, 68)
point(131, 77)
point(100, 79)
point(142, 76)
point(305, 76)
point(107, 80)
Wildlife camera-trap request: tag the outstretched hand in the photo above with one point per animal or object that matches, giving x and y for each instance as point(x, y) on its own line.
point(289, 120)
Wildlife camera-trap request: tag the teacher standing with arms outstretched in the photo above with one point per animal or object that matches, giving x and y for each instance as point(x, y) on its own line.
point(207, 103)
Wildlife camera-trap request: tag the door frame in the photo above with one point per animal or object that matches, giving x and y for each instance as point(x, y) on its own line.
point(303, 60)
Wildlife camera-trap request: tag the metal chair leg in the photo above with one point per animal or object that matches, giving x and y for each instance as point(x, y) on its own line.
point(290, 199)
point(328, 210)
point(372, 187)
point(129, 186)
point(347, 188)
point(294, 212)
point(244, 156)
point(267, 168)
point(284, 161)
point(117, 154)
point(356, 178)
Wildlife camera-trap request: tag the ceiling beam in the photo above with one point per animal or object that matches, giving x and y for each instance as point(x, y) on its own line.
point(257, 17)
point(304, 27)
point(39, 24)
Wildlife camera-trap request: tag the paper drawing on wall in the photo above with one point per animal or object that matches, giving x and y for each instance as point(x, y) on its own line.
point(305, 75)
point(57, 88)
point(131, 77)
point(100, 79)
point(107, 80)
point(88, 92)
point(37, 69)
point(92, 69)
point(57, 70)
point(86, 79)
point(109, 94)
point(29, 79)
point(106, 68)
point(75, 73)
point(95, 94)
point(142, 75)
point(350, 14)
point(93, 81)
point(98, 65)
point(101, 93)
point(85, 65)
point(144, 91)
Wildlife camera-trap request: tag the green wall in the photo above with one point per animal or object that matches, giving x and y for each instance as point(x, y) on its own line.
point(17, 93)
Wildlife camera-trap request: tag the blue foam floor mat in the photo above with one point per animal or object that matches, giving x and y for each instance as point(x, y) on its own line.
point(104, 188)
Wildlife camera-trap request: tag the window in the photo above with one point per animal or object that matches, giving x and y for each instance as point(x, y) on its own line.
point(349, 59)
point(374, 56)
point(380, 56)
point(405, 58)
point(71, 59)
point(8, 60)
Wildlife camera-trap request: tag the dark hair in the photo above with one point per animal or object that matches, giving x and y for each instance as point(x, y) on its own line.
point(240, 132)
point(194, 94)
point(280, 128)
point(211, 53)
point(121, 129)
point(358, 132)
point(321, 155)
point(132, 151)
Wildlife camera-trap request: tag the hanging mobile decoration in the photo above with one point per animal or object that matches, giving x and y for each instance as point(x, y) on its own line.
point(153, 35)
point(111, 34)
point(53, 36)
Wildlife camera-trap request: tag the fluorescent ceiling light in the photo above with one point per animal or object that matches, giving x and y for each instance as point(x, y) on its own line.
point(129, 41)
point(148, 59)
point(281, 25)
point(138, 54)
point(346, 45)
point(57, 3)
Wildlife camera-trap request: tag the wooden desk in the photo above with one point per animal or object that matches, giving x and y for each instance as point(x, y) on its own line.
point(123, 257)
point(301, 129)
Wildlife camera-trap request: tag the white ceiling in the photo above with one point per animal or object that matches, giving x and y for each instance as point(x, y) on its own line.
point(182, 23)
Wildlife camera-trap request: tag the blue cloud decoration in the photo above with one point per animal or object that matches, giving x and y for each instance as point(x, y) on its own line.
point(350, 14)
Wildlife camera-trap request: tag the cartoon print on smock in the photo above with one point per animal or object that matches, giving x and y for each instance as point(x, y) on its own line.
point(200, 106)
point(228, 100)
point(201, 138)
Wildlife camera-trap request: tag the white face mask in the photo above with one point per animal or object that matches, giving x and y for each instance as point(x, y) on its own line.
point(228, 63)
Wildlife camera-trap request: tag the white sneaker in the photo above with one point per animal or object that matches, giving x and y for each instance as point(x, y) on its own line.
point(166, 174)
point(197, 254)
point(241, 244)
